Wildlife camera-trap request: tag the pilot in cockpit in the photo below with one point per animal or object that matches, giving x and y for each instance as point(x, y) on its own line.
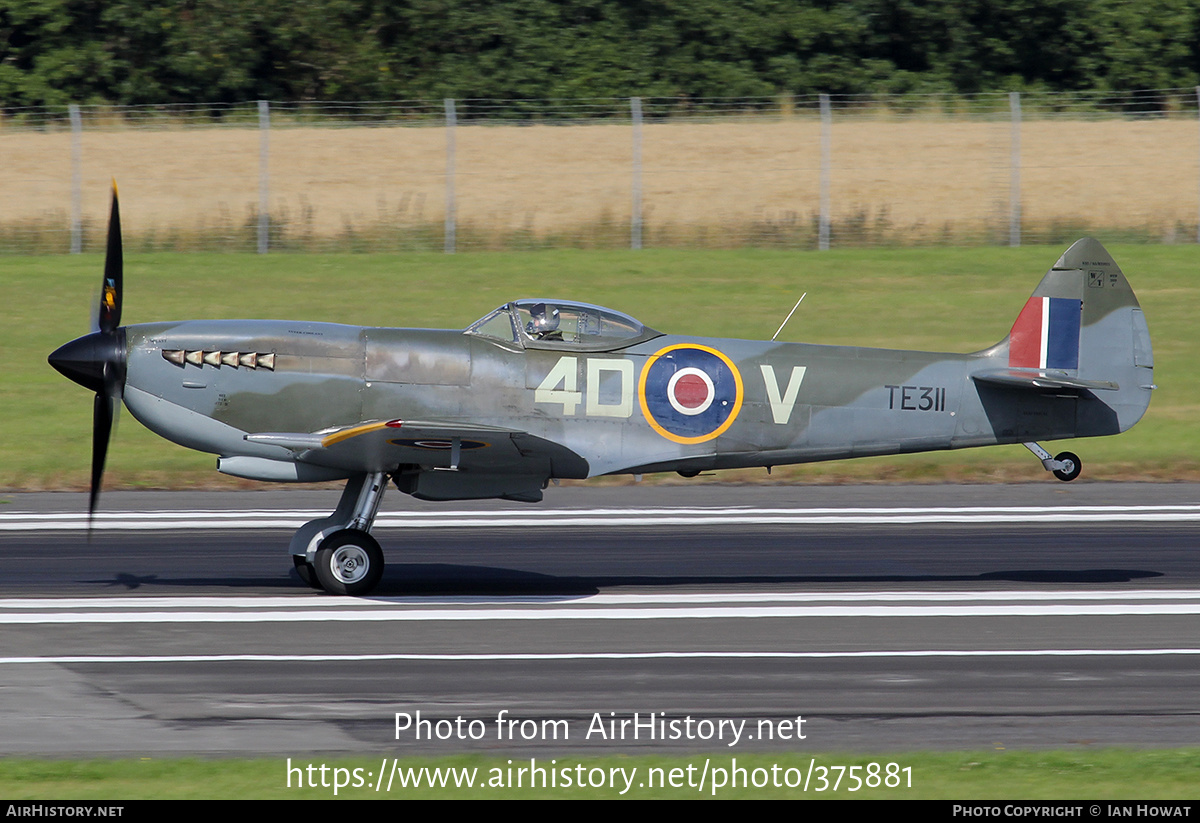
point(543, 323)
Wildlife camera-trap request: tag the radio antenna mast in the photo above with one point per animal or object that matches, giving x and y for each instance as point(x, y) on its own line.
point(789, 317)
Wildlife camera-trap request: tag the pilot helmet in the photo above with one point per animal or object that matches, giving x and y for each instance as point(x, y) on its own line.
point(543, 319)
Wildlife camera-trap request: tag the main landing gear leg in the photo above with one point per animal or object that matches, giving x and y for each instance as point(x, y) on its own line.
point(337, 553)
point(1066, 466)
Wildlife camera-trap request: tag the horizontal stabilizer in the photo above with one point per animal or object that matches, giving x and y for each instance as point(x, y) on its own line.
point(1040, 380)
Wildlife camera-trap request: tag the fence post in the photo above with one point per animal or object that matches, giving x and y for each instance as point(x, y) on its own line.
point(264, 175)
point(1014, 166)
point(1198, 174)
point(76, 179)
point(451, 205)
point(826, 164)
point(635, 220)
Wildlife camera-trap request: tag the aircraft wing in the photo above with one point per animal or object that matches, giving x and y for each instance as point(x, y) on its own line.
point(1040, 380)
point(385, 445)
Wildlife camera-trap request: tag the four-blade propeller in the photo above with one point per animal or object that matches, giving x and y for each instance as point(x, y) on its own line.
point(97, 360)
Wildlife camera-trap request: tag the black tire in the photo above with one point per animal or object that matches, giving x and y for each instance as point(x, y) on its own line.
point(306, 571)
point(1073, 469)
point(349, 562)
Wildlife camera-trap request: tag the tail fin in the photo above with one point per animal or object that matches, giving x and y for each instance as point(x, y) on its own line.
point(1083, 331)
point(1062, 325)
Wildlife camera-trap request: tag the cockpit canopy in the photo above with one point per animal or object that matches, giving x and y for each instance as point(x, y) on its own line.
point(558, 324)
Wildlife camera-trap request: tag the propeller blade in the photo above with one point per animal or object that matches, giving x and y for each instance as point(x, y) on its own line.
point(102, 425)
point(109, 316)
point(97, 361)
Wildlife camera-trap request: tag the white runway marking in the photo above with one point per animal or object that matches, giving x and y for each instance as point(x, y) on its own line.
point(310, 601)
point(700, 606)
point(192, 520)
point(548, 656)
point(491, 615)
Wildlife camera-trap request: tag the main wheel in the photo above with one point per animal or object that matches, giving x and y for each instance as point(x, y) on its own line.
point(349, 562)
point(1072, 469)
point(306, 571)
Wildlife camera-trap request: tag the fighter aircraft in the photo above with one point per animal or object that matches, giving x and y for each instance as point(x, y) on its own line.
point(544, 389)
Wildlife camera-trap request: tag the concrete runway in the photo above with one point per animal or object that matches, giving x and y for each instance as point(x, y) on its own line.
point(889, 618)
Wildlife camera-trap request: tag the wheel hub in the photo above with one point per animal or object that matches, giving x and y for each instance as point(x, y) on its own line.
point(350, 564)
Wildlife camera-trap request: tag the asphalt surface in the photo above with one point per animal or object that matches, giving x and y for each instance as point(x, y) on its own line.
point(888, 618)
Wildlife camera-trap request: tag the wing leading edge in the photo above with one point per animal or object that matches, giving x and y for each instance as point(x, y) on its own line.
point(437, 460)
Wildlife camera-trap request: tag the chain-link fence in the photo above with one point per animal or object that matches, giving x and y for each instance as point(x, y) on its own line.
point(822, 171)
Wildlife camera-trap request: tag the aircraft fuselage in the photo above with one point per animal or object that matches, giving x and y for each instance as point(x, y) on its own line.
point(764, 403)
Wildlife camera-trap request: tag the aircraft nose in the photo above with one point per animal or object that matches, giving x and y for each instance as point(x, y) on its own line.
point(88, 359)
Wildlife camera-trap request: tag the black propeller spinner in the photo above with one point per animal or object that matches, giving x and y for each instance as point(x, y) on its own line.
point(97, 361)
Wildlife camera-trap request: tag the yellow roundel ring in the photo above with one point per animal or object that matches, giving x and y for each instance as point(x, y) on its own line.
point(697, 408)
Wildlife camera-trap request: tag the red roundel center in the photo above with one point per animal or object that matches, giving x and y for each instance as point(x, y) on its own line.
point(691, 391)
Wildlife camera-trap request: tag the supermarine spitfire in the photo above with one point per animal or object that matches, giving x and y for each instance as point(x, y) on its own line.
point(545, 389)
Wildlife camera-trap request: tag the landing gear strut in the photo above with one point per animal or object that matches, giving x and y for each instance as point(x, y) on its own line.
point(337, 553)
point(1066, 466)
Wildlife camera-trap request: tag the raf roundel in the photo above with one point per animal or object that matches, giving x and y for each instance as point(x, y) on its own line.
point(690, 393)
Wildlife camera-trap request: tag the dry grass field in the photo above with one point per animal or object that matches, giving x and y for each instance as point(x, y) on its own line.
point(893, 181)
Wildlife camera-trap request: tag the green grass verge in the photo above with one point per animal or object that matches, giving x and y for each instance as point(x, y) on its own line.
point(936, 299)
point(997, 775)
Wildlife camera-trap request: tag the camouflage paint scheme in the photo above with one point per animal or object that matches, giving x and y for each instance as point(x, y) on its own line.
point(494, 411)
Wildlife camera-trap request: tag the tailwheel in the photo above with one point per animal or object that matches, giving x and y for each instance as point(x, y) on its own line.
point(1066, 466)
point(349, 562)
point(1071, 466)
point(306, 571)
